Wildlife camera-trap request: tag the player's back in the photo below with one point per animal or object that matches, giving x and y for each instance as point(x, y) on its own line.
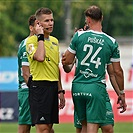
point(93, 51)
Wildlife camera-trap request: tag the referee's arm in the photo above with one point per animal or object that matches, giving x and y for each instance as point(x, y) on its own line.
point(61, 93)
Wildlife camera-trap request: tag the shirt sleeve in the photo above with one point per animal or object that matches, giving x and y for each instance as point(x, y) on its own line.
point(116, 53)
point(31, 46)
point(73, 43)
point(25, 61)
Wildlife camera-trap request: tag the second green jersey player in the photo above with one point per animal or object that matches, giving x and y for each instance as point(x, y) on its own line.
point(23, 91)
point(24, 116)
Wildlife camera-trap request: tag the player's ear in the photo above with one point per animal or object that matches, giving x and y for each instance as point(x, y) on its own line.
point(30, 28)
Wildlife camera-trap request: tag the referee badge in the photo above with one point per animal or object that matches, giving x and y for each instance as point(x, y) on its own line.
point(30, 48)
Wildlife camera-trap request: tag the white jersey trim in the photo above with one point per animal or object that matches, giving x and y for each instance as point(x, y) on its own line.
point(115, 60)
point(25, 63)
point(97, 32)
point(71, 50)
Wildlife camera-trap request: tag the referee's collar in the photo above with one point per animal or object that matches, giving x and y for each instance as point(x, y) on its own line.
point(47, 39)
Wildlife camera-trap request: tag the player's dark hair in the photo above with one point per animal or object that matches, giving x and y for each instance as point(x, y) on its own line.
point(94, 12)
point(31, 20)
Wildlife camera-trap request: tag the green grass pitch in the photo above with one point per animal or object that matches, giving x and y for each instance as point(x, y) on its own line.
point(126, 127)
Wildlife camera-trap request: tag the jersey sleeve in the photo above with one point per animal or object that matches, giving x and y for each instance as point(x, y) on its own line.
point(116, 53)
point(31, 46)
point(58, 51)
point(24, 57)
point(56, 43)
point(72, 46)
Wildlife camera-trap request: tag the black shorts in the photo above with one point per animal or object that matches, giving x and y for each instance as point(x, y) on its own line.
point(43, 99)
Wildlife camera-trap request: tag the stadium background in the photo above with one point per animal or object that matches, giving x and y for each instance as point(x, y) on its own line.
point(8, 67)
point(9, 85)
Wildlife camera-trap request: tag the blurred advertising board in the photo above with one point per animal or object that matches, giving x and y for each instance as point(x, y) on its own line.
point(8, 74)
point(9, 77)
point(9, 107)
point(9, 86)
point(66, 114)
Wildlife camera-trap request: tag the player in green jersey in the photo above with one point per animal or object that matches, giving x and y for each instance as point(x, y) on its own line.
point(24, 117)
point(93, 50)
point(107, 126)
point(43, 56)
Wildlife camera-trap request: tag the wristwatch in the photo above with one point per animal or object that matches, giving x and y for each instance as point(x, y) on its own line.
point(122, 92)
point(61, 91)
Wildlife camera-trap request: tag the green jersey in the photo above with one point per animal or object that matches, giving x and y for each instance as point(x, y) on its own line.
point(22, 60)
point(93, 51)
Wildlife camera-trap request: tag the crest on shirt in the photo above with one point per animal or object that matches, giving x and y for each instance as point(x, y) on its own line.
point(30, 48)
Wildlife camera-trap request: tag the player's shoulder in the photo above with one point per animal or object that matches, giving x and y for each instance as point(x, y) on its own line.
point(79, 33)
point(22, 47)
point(31, 39)
point(54, 40)
point(22, 44)
point(109, 37)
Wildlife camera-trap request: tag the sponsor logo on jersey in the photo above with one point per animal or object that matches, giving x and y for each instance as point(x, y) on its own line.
point(82, 94)
point(87, 73)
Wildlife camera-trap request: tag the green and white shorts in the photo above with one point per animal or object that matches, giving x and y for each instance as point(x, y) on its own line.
point(24, 108)
point(109, 115)
point(90, 102)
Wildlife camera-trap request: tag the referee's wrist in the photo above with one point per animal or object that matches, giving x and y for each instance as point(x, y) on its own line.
point(40, 37)
point(61, 91)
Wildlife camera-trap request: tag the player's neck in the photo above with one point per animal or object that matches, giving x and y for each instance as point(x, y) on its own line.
point(96, 27)
point(31, 34)
point(46, 36)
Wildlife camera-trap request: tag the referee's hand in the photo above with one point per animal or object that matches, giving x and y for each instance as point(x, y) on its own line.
point(61, 101)
point(38, 28)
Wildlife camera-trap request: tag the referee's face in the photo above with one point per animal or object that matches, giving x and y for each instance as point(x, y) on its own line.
point(47, 21)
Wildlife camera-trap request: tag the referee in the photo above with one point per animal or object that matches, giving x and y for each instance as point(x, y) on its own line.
point(46, 88)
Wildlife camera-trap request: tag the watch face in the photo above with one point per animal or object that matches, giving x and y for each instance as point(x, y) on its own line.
point(61, 91)
point(122, 92)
